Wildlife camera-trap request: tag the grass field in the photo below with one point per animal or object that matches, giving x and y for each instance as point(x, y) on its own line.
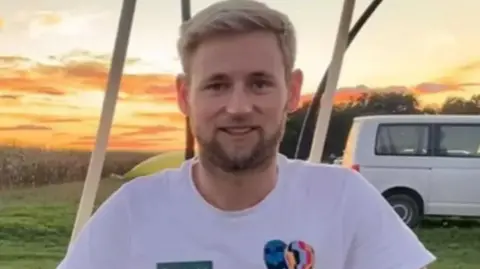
point(35, 222)
point(35, 226)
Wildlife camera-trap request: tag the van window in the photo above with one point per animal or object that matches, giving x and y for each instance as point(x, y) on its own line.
point(402, 140)
point(456, 140)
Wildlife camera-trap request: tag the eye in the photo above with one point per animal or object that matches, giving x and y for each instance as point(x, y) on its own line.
point(261, 85)
point(216, 87)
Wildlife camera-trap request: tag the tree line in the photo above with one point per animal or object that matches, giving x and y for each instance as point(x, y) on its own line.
point(367, 104)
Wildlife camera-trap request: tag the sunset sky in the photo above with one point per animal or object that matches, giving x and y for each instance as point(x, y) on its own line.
point(55, 55)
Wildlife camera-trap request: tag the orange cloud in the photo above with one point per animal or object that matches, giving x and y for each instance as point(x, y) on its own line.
point(26, 128)
point(467, 73)
point(422, 90)
point(2, 23)
point(460, 80)
point(171, 117)
point(151, 130)
point(47, 119)
point(65, 92)
point(79, 71)
point(9, 97)
point(56, 102)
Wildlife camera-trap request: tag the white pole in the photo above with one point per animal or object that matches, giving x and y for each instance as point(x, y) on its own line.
point(326, 103)
point(95, 167)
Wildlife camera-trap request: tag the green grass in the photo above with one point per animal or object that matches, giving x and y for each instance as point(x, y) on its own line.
point(35, 226)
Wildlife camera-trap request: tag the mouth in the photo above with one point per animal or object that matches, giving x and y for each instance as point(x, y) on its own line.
point(238, 131)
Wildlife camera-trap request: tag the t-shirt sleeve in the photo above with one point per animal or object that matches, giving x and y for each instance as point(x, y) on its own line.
point(379, 237)
point(104, 242)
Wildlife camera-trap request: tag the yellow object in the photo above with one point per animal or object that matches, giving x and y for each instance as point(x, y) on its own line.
point(156, 164)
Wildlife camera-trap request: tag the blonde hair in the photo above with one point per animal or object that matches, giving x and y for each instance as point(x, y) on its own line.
point(237, 17)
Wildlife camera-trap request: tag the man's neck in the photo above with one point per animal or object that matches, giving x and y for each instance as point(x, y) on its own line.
point(229, 192)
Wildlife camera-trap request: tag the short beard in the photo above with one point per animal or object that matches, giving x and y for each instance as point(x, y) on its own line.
point(214, 157)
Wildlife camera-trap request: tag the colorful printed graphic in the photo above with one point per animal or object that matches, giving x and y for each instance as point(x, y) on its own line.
point(274, 254)
point(296, 255)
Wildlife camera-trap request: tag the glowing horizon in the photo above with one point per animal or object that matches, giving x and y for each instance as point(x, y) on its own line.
point(53, 67)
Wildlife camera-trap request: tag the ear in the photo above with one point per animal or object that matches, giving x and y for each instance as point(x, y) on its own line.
point(295, 90)
point(182, 93)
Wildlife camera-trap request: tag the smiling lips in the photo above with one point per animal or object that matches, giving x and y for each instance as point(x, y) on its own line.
point(238, 131)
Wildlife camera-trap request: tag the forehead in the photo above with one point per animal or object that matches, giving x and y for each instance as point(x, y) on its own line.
point(239, 54)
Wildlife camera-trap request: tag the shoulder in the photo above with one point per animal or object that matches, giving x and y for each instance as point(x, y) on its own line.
point(105, 240)
point(158, 185)
point(319, 170)
point(347, 189)
point(144, 183)
point(369, 225)
point(318, 176)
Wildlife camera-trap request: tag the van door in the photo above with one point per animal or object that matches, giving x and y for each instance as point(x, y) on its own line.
point(455, 181)
point(397, 157)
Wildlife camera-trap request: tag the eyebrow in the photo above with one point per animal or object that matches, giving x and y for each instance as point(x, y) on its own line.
point(214, 77)
point(261, 74)
point(217, 76)
point(224, 76)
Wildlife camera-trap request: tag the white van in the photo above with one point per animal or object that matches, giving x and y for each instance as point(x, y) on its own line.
point(422, 164)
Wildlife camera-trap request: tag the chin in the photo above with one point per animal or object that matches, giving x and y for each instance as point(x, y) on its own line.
point(239, 155)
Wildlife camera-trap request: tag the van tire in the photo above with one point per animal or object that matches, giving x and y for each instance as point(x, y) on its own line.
point(406, 207)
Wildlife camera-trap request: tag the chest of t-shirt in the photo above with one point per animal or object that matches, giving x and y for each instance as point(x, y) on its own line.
point(285, 240)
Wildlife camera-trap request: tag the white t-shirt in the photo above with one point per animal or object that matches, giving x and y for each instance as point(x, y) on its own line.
point(326, 216)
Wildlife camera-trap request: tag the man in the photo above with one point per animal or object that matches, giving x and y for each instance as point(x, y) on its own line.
point(240, 204)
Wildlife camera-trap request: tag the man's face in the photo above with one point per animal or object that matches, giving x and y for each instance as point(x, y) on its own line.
point(237, 97)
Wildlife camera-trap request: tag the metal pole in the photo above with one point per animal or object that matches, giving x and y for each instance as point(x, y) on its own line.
point(95, 167)
point(186, 10)
point(310, 118)
point(333, 75)
point(189, 139)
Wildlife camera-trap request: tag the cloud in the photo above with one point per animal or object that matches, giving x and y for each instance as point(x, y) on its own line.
point(459, 79)
point(466, 73)
point(47, 119)
point(26, 128)
point(45, 90)
point(151, 130)
point(9, 97)
point(59, 120)
point(64, 93)
point(8, 61)
point(162, 116)
point(49, 18)
point(432, 87)
point(41, 23)
point(9, 100)
point(2, 24)
point(80, 71)
point(471, 66)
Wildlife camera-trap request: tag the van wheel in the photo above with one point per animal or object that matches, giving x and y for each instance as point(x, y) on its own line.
point(406, 207)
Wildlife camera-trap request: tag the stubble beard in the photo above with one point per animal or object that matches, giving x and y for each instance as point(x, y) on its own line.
point(214, 156)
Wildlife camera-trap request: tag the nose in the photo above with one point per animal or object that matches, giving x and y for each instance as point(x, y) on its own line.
point(239, 102)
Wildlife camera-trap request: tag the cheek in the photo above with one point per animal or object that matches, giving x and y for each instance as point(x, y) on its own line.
point(202, 117)
point(273, 116)
point(275, 107)
point(201, 107)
